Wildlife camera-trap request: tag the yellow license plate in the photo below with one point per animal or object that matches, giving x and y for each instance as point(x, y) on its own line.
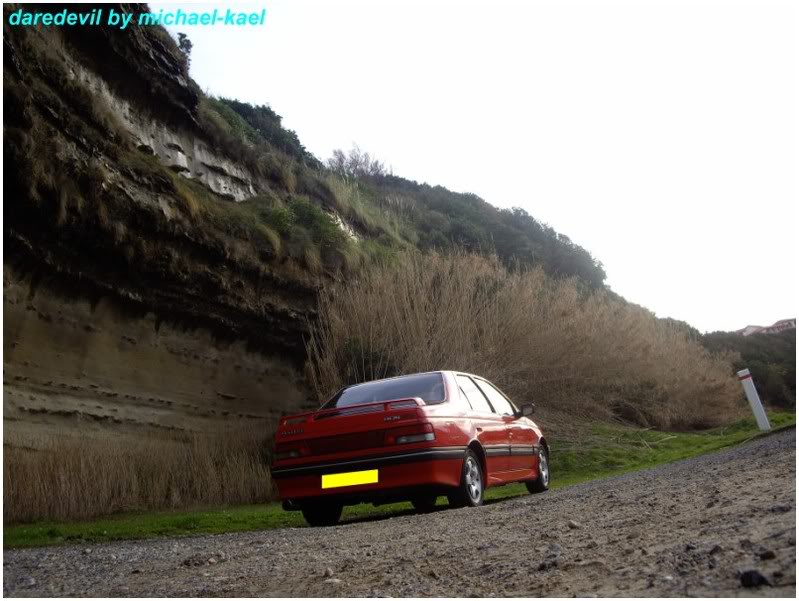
point(349, 479)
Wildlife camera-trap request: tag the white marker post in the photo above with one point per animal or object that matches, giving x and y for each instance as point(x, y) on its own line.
point(754, 401)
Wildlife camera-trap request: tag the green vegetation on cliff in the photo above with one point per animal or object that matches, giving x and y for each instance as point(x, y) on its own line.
point(771, 358)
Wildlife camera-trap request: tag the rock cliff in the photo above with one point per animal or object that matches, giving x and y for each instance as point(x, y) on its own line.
point(122, 308)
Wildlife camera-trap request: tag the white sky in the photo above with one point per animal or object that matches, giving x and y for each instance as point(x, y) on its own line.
point(660, 136)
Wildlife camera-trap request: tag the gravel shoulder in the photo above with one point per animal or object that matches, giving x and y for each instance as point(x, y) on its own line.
point(722, 524)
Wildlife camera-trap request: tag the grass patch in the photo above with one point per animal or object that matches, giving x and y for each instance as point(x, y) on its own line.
point(609, 450)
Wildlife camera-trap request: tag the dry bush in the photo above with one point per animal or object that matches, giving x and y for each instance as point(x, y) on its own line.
point(538, 338)
point(65, 479)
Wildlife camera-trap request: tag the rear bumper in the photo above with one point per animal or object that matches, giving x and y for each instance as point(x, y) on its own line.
point(399, 475)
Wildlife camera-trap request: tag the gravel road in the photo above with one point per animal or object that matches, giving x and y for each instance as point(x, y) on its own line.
point(719, 525)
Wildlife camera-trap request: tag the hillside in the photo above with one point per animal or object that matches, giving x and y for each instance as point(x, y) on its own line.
point(148, 225)
point(180, 271)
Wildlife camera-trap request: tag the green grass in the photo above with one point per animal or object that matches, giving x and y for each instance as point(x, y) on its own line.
point(608, 450)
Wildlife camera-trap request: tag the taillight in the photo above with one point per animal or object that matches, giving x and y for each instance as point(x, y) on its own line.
point(408, 434)
point(291, 451)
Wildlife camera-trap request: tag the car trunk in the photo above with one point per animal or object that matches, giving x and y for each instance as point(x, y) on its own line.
point(356, 429)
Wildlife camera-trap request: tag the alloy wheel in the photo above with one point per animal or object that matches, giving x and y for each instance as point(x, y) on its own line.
point(474, 480)
point(543, 469)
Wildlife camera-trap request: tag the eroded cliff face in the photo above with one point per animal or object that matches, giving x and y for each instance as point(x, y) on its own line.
point(180, 149)
point(76, 367)
point(121, 310)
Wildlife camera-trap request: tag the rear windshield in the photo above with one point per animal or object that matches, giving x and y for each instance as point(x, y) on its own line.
point(428, 387)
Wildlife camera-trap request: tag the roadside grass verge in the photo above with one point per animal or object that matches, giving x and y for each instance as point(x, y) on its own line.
point(607, 451)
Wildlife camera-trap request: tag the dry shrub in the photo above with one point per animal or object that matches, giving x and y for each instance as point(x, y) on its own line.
point(538, 338)
point(66, 479)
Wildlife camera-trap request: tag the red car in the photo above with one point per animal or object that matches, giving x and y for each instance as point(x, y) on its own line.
point(410, 438)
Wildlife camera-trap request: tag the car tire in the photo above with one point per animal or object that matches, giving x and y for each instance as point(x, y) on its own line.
point(424, 503)
point(540, 484)
point(470, 491)
point(322, 514)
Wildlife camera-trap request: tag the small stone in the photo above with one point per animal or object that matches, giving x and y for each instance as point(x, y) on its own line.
point(753, 578)
point(554, 550)
point(135, 571)
point(690, 547)
point(211, 561)
point(432, 574)
point(716, 549)
point(592, 545)
point(548, 564)
point(574, 525)
point(328, 572)
point(767, 554)
point(333, 581)
point(28, 581)
point(87, 551)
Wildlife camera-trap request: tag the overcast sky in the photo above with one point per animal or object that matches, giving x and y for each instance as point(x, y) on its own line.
point(660, 136)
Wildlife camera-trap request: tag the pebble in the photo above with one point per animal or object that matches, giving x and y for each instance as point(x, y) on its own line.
point(328, 572)
point(767, 554)
point(574, 525)
point(753, 578)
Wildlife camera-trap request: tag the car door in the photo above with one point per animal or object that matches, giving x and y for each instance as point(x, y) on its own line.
point(521, 434)
point(492, 430)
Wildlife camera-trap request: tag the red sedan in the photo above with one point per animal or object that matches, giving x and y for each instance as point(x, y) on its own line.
point(410, 438)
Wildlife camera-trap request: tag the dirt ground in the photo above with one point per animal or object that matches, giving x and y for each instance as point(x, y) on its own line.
point(719, 525)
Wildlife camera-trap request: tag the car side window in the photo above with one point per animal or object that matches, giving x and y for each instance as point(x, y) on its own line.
point(498, 400)
point(476, 398)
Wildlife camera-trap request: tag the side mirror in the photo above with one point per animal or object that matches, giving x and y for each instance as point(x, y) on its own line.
point(525, 410)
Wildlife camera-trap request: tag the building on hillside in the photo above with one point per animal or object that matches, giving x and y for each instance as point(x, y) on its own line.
point(776, 327)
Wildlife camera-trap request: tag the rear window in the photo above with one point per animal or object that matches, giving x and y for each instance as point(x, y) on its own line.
point(428, 387)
